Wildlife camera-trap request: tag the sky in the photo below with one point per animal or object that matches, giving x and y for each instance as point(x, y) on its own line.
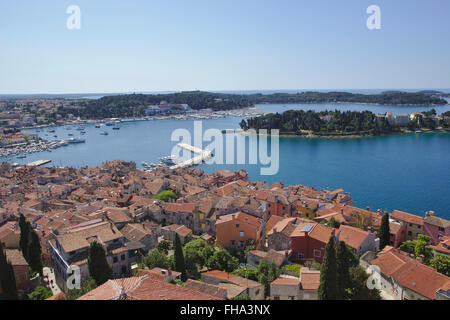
point(174, 45)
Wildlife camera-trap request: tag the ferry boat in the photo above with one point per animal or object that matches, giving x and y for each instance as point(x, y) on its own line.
point(76, 140)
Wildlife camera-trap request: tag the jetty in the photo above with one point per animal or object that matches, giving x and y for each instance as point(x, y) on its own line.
point(38, 163)
point(201, 155)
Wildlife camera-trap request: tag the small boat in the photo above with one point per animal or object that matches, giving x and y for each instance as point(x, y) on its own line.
point(98, 125)
point(83, 132)
point(104, 133)
point(116, 128)
point(70, 134)
point(22, 156)
point(55, 136)
point(51, 130)
point(110, 124)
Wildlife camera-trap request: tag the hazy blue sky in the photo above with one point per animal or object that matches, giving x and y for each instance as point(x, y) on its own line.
point(145, 45)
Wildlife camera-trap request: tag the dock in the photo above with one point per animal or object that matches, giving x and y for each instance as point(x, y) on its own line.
point(38, 163)
point(201, 155)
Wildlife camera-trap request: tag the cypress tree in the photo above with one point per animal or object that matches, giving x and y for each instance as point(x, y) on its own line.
point(98, 266)
point(343, 268)
point(328, 287)
point(384, 232)
point(34, 251)
point(179, 262)
point(7, 278)
point(24, 235)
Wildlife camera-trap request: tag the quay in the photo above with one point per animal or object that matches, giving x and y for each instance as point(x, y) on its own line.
point(202, 155)
point(38, 163)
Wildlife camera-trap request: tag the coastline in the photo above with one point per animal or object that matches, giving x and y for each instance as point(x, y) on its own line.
point(352, 136)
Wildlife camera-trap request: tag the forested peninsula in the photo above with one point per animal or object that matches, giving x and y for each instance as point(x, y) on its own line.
point(132, 105)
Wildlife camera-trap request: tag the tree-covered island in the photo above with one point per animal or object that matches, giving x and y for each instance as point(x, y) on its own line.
point(346, 123)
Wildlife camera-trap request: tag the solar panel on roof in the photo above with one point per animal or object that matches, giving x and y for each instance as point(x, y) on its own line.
point(307, 228)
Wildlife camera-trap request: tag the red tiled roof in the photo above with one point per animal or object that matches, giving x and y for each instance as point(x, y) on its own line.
point(148, 287)
point(352, 236)
point(420, 278)
point(286, 281)
point(391, 261)
point(310, 279)
point(407, 217)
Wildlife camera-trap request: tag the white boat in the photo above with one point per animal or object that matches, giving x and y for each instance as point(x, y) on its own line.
point(104, 133)
point(76, 140)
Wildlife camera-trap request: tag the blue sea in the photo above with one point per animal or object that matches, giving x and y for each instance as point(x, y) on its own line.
point(405, 172)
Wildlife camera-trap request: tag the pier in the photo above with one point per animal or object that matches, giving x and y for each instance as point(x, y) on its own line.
point(201, 155)
point(38, 163)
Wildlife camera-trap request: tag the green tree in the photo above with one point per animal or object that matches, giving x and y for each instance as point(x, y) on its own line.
point(34, 252)
point(86, 287)
point(98, 266)
point(441, 263)
point(358, 289)
point(333, 223)
point(419, 247)
point(221, 259)
point(343, 268)
point(166, 195)
point(179, 262)
point(24, 235)
point(328, 287)
point(164, 246)
point(7, 278)
point(157, 259)
point(384, 233)
point(40, 293)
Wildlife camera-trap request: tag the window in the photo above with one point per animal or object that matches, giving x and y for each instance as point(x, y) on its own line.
point(237, 225)
point(276, 298)
point(409, 233)
point(300, 256)
point(410, 224)
point(441, 229)
point(122, 257)
point(203, 226)
point(317, 253)
point(233, 242)
point(115, 260)
point(241, 233)
point(418, 227)
point(201, 216)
